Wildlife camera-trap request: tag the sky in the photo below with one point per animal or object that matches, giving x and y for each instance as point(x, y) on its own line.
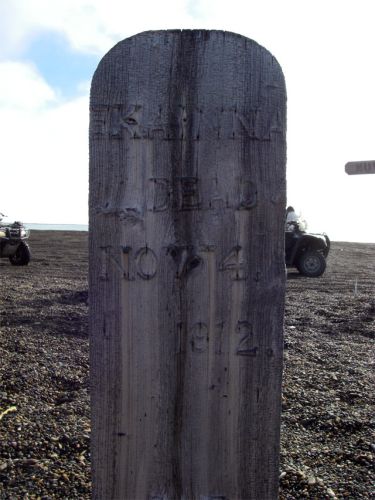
point(49, 50)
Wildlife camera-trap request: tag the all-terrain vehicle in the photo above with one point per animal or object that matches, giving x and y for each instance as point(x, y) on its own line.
point(13, 242)
point(305, 251)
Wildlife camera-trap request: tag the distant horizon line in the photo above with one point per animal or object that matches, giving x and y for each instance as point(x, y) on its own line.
point(35, 226)
point(85, 227)
point(58, 223)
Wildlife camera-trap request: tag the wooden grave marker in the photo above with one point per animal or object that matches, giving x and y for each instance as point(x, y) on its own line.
point(187, 273)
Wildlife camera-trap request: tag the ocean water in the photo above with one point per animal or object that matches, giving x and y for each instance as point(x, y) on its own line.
point(56, 227)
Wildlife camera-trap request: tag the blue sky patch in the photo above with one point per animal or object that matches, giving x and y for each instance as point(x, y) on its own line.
point(62, 67)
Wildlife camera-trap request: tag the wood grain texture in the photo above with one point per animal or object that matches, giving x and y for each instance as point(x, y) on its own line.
point(187, 275)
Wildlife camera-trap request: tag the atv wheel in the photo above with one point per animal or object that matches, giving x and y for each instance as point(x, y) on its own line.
point(22, 256)
point(311, 263)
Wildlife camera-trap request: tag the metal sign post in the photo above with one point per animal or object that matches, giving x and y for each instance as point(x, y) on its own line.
point(360, 167)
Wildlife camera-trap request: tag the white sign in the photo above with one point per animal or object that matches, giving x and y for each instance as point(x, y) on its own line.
point(360, 167)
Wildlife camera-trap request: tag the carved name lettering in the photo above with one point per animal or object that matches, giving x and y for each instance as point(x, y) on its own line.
point(135, 122)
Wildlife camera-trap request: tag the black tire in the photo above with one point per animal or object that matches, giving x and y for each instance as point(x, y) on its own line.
point(311, 263)
point(22, 256)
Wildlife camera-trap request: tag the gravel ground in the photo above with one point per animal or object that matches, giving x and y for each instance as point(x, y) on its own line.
point(328, 424)
point(328, 421)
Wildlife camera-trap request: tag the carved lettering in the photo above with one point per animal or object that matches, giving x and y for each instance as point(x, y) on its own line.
point(249, 123)
point(245, 348)
point(161, 198)
point(185, 258)
point(225, 123)
point(234, 263)
point(189, 193)
point(213, 497)
point(199, 337)
point(98, 121)
point(115, 129)
point(103, 273)
point(143, 263)
point(146, 263)
point(249, 193)
point(128, 120)
point(180, 330)
point(219, 327)
point(126, 254)
point(160, 193)
point(107, 257)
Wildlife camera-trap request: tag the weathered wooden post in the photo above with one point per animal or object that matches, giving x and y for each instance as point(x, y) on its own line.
point(187, 275)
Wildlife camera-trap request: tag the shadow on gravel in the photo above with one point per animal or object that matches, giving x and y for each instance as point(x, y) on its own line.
point(78, 297)
point(64, 314)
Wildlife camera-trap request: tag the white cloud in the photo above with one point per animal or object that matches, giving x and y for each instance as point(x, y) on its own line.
point(325, 50)
point(44, 140)
point(22, 87)
point(44, 160)
point(89, 25)
point(44, 152)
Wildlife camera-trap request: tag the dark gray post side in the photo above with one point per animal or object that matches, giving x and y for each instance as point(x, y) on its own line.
point(187, 274)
